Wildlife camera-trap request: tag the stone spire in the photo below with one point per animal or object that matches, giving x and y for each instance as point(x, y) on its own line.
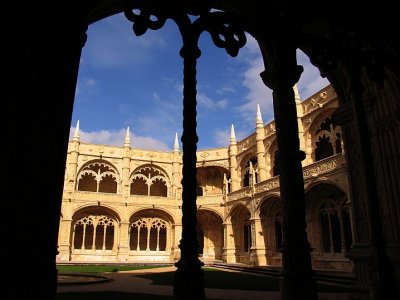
point(259, 118)
point(127, 142)
point(233, 137)
point(76, 133)
point(176, 143)
point(296, 93)
point(260, 136)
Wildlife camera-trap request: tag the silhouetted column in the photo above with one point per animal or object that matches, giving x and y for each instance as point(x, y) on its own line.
point(297, 282)
point(189, 276)
point(370, 256)
point(42, 69)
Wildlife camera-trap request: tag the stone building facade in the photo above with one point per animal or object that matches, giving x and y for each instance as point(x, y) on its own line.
point(122, 204)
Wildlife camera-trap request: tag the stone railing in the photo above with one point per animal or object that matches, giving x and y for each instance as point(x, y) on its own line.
point(324, 166)
point(118, 198)
point(321, 167)
point(239, 194)
point(210, 199)
point(267, 185)
point(97, 196)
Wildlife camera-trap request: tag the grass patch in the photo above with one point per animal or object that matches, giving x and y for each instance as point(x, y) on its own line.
point(100, 268)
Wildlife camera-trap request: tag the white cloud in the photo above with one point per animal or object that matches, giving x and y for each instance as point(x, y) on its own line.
point(86, 87)
point(225, 90)
point(112, 44)
point(257, 93)
point(117, 138)
point(222, 136)
point(207, 102)
point(310, 81)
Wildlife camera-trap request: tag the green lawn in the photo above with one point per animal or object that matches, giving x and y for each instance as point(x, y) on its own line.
point(99, 268)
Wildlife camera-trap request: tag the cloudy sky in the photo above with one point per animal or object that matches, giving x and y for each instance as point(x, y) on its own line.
point(132, 81)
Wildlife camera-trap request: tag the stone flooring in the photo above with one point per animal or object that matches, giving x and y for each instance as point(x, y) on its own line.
point(125, 285)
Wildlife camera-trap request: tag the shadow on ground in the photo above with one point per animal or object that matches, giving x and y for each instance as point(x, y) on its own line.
point(216, 279)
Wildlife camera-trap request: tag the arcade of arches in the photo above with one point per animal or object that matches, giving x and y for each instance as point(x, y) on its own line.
point(118, 206)
point(338, 196)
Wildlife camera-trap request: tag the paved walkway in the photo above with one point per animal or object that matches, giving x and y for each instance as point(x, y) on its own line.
point(125, 285)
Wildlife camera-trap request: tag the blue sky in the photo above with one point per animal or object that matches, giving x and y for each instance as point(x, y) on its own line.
point(132, 81)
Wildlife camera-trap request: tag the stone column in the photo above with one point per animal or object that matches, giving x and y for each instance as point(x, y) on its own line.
point(123, 247)
point(177, 236)
point(42, 70)
point(258, 253)
point(297, 282)
point(189, 276)
point(64, 242)
point(368, 252)
point(228, 255)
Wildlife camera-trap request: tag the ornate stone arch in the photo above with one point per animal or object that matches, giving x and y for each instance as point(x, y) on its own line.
point(151, 231)
point(320, 132)
point(98, 176)
point(210, 179)
point(94, 229)
point(246, 170)
point(150, 180)
point(329, 219)
point(210, 234)
point(271, 152)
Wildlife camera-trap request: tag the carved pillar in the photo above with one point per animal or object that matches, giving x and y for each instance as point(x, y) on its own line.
point(123, 247)
point(297, 282)
point(42, 71)
point(258, 254)
point(64, 241)
point(228, 255)
point(375, 278)
point(177, 236)
point(189, 276)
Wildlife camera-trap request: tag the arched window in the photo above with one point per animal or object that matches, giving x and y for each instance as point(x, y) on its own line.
point(250, 174)
point(95, 232)
point(247, 237)
point(148, 234)
point(327, 140)
point(150, 181)
point(98, 177)
point(278, 232)
point(199, 189)
point(210, 180)
point(335, 227)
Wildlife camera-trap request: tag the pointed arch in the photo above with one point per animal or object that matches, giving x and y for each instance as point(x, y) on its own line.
point(150, 180)
point(98, 176)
